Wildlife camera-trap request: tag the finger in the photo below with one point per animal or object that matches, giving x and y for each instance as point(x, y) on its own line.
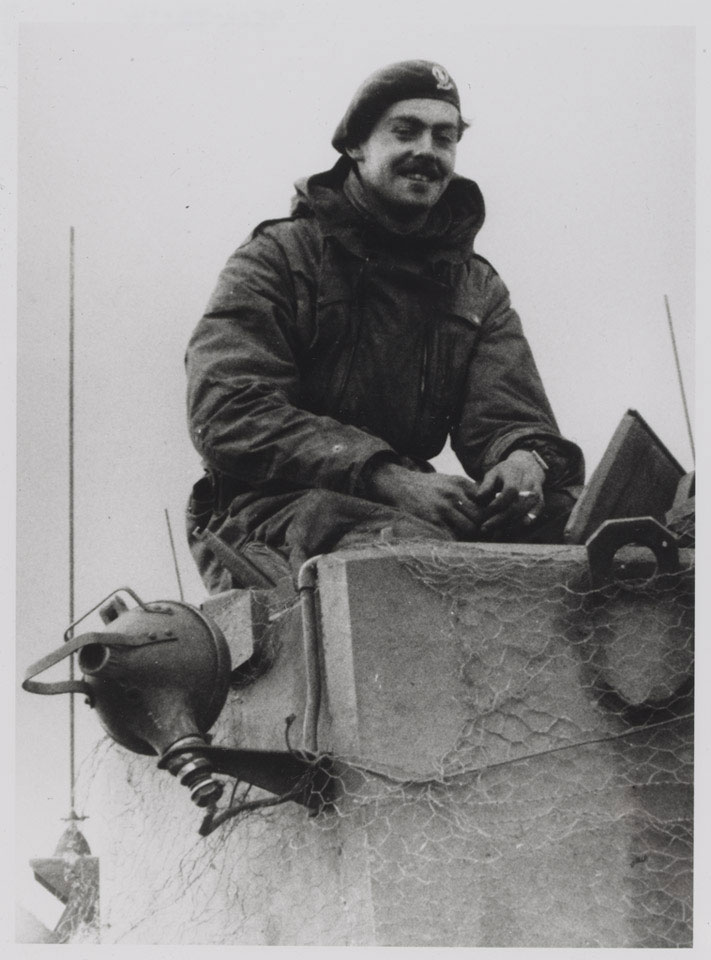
point(510, 521)
point(498, 522)
point(463, 512)
point(488, 486)
point(526, 503)
point(464, 527)
point(467, 515)
point(470, 509)
point(500, 502)
point(532, 516)
point(465, 491)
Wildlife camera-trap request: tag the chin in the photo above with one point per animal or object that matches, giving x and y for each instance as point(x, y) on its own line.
point(420, 202)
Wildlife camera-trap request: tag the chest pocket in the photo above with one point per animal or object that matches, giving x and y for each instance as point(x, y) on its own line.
point(334, 328)
point(452, 336)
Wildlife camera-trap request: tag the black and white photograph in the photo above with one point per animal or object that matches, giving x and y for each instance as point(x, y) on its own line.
point(356, 474)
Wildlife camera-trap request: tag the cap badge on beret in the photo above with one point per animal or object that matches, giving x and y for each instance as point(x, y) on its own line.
point(444, 81)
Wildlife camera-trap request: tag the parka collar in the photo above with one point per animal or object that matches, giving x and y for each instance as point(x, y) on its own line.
point(449, 235)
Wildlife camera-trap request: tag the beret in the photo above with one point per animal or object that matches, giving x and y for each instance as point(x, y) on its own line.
point(408, 80)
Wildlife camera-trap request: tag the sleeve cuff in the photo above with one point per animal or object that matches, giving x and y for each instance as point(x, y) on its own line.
point(361, 487)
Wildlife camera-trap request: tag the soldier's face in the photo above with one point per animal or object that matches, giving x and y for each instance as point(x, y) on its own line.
point(408, 160)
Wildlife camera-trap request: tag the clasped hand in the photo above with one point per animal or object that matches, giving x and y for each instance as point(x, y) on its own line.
point(511, 492)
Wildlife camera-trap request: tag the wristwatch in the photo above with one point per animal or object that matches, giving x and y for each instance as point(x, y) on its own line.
point(539, 460)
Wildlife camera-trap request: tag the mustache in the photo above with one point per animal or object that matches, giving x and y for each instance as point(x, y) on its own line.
point(427, 166)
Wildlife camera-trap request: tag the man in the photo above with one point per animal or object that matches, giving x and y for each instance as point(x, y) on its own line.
point(345, 343)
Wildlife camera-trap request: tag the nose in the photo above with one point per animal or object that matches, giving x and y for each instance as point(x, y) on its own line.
point(425, 144)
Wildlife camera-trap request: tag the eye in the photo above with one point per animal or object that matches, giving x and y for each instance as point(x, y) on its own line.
point(405, 133)
point(446, 137)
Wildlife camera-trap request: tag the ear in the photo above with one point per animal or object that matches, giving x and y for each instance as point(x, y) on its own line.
point(355, 153)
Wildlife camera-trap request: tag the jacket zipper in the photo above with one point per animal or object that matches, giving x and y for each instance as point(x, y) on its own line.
point(424, 380)
point(358, 318)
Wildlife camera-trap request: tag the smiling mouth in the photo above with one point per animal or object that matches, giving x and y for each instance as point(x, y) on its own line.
point(419, 177)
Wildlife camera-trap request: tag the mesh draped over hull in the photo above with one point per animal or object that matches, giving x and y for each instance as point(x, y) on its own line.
point(513, 759)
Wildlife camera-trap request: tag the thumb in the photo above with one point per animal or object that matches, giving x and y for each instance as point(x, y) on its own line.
point(487, 485)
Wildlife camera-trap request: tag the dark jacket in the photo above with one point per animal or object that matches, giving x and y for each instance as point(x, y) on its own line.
point(329, 342)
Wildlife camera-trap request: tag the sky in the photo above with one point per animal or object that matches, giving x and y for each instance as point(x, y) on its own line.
point(164, 134)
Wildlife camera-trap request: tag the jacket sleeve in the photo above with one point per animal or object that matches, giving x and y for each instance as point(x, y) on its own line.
point(505, 405)
point(244, 385)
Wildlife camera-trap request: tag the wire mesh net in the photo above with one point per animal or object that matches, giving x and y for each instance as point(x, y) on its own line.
point(544, 800)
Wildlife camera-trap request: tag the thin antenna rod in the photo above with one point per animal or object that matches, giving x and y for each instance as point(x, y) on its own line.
point(680, 378)
point(72, 777)
point(175, 557)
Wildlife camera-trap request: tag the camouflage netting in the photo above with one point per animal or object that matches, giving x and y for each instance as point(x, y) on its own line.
point(513, 768)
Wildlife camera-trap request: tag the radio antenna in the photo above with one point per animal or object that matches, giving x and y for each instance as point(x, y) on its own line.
point(680, 378)
point(72, 750)
point(72, 874)
point(175, 557)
